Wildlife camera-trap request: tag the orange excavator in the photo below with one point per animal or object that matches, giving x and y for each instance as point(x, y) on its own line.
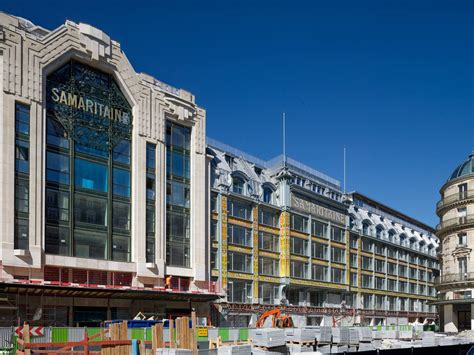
point(278, 320)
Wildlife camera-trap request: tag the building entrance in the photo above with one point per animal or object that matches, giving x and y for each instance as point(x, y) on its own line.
point(464, 320)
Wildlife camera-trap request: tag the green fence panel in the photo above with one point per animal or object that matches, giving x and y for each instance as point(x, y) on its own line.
point(224, 334)
point(243, 334)
point(138, 333)
point(59, 335)
point(93, 331)
point(148, 334)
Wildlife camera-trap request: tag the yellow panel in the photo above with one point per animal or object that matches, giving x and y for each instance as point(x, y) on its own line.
point(285, 244)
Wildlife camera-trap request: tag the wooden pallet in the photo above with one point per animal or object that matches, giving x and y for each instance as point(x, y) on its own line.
point(306, 343)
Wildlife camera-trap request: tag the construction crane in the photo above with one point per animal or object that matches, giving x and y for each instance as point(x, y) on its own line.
point(278, 320)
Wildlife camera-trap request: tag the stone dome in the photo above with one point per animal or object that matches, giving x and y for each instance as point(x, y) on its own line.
point(464, 169)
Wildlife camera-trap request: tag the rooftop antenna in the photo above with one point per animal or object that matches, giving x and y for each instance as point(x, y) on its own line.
point(344, 170)
point(284, 139)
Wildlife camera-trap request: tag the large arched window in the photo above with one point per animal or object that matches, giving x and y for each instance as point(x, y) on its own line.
point(267, 194)
point(238, 185)
point(88, 165)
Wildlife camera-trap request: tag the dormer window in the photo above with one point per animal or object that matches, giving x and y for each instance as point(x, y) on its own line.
point(238, 185)
point(230, 161)
point(267, 194)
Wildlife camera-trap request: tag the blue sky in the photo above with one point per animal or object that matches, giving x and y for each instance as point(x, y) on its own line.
point(390, 80)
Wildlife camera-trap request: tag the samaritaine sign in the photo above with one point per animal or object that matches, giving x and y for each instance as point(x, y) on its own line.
point(318, 211)
point(90, 106)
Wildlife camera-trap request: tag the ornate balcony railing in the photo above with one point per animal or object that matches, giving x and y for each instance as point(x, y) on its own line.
point(453, 223)
point(452, 278)
point(456, 197)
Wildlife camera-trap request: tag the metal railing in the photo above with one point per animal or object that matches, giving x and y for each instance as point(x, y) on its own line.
point(455, 222)
point(458, 277)
point(459, 196)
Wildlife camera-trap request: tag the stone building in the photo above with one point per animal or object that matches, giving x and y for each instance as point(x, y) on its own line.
point(284, 234)
point(456, 232)
point(103, 175)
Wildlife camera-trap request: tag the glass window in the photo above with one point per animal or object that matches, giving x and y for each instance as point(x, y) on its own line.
point(338, 275)
point(298, 246)
point(22, 118)
point(57, 205)
point(89, 244)
point(120, 248)
point(90, 210)
point(298, 269)
point(319, 251)
point(239, 209)
point(267, 195)
point(239, 235)
point(268, 293)
point(367, 263)
point(150, 249)
point(22, 156)
point(338, 255)
point(150, 186)
point(150, 156)
point(237, 185)
point(320, 272)
point(121, 182)
point(269, 242)
point(337, 234)
point(57, 168)
point(57, 240)
point(379, 265)
point(150, 220)
point(21, 234)
point(178, 194)
point(239, 262)
point(354, 260)
point(367, 281)
point(299, 223)
point(269, 266)
point(319, 229)
point(22, 195)
point(121, 215)
point(354, 279)
point(56, 134)
point(177, 253)
point(269, 218)
point(121, 153)
point(178, 164)
point(239, 291)
point(90, 175)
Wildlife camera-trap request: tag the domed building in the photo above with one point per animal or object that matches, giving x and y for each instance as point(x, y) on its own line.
point(456, 233)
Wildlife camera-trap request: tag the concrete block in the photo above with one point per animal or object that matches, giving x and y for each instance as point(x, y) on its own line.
point(365, 334)
point(336, 335)
point(268, 337)
point(277, 350)
point(325, 349)
point(325, 335)
point(174, 352)
point(299, 348)
point(366, 347)
point(300, 334)
point(243, 349)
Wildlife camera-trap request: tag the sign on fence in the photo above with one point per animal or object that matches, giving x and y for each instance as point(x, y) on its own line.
point(34, 331)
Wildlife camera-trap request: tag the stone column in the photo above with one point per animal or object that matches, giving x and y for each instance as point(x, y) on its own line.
point(450, 319)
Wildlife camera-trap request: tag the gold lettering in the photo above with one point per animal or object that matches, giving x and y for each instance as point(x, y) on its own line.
point(55, 96)
point(89, 105)
point(72, 99)
point(107, 112)
point(101, 107)
point(80, 105)
point(63, 99)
